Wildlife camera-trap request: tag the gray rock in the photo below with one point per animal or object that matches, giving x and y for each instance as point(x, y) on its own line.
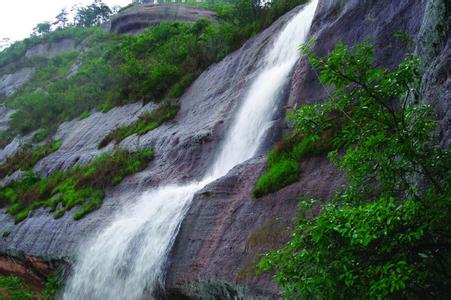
point(138, 17)
point(14, 146)
point(10, 83)
point(434, 47)
point(14, 176)
point(5, 116)
point(80, 138)
point(49, 50)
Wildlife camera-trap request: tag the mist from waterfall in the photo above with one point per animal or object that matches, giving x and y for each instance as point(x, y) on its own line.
point(126, 259)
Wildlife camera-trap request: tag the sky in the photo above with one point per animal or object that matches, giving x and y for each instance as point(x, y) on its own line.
point(19, 17)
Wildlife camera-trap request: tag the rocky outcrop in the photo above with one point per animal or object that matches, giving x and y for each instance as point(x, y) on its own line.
point(80, 138)
point(14, 146)
point(5, 115)
point(53, 49)
point(138, 17)
point(351, 22)
point(10, 83)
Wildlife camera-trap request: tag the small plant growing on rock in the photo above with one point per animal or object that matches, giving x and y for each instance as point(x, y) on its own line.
point(82, 185)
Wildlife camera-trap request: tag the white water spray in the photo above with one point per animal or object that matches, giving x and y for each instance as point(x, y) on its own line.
point(126, 258)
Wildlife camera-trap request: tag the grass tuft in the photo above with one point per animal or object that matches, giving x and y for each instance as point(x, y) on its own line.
point(284, 159)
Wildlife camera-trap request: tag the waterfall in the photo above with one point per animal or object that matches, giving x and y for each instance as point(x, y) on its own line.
point(126, 258)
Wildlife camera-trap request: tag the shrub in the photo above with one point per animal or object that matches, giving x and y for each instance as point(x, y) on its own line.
point(53, 285)
point(40, 135)
point(82, 185)
point(280, 174)
point(290, 152)
point(12, 287)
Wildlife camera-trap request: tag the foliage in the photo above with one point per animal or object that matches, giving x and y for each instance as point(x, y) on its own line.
point(280, 174)
point(386, 234)
point(284, 160)
point(145, 123)
point(13, 288)
point(53, 285)
point(27, 158)
point(40, 135)
point(61, 20)
point(93, 14)
point(82, 185)
point(42, 28)
point(115, 70)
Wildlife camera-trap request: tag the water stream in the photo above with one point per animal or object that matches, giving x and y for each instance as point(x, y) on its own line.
point(127, 257)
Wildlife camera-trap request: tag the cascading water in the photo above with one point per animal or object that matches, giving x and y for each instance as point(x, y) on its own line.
point(126, 258)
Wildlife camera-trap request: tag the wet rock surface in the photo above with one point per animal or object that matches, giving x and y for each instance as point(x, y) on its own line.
point(138, 17)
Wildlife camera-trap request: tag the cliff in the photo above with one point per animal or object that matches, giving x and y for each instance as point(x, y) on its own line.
point(138, 17)
point(225, 229)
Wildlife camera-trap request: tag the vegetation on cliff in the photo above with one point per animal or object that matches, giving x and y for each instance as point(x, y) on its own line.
point(386, 233)
point(82, 185)
point(107, 69)
point(145, 123)
point(27, 157)
point(14, 288)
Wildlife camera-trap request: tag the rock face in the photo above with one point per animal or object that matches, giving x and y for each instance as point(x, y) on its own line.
point(49, 50)
point(10, 83)
point(138, 17)
point(434, 46)
point(80, 138)
point(226, 228)
point(5, 115)
point(216, 250)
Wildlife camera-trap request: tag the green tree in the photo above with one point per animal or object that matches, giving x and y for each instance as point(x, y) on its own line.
point(42, 28)
point(61, 20)
point(386, 234)
point(93, 14)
